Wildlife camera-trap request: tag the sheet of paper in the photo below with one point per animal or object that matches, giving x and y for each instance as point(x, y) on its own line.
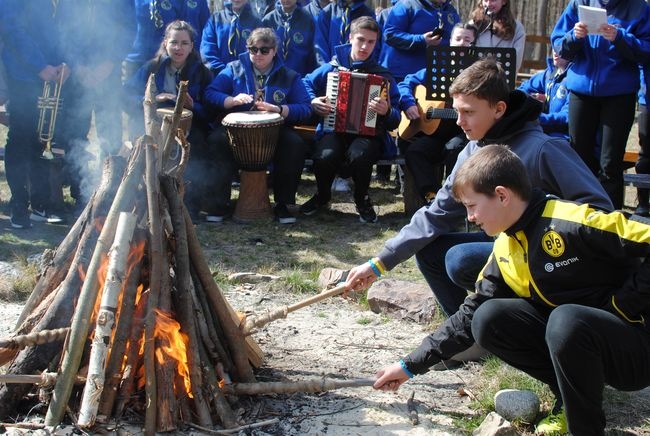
point(592, 17)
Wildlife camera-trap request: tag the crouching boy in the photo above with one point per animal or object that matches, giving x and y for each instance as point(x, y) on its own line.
point(563, 297)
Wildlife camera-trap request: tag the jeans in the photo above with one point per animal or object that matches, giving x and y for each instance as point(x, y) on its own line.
point(574, 349)
point(451, 264)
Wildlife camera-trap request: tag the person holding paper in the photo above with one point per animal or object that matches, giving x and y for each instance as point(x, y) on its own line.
point(603, 81)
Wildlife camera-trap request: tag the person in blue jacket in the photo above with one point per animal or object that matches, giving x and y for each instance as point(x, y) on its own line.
point(333, 27)
point(314, 8)
point(259, 80)
point(603, 82)
point(357, 153)
point(549, 87)
point(643, 163)
point(225, 34)
point(178, 60)
point(32, 55)
point(295, 30)
point(152, 17)
point(411, 27)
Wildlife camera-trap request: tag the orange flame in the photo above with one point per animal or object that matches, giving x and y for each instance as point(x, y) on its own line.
point(173, 344)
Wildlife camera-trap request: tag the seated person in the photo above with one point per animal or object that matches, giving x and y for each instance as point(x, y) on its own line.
point(424, 154)
point(177, 60)
point(259, 81)
point(295, 30)
point(549, 87)
point(568, 308)
point(357, 153)
point(225, 33)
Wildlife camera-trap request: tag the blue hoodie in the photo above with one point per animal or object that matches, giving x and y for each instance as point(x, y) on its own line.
point(198, 76)
point(316, 84)
point(404, 49)
point(602, 68)
point(32, 38)
point(221, 42)
point(298, 54)
point(331, 30)
point(555, 115)
point(283, 87)
point(151, 31)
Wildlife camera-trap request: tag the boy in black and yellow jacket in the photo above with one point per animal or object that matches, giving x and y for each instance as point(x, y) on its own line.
point(564, 296)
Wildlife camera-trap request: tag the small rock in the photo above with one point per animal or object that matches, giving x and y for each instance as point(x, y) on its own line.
point(495, 425)
point(407, 300)
point(251, 277)
point(515, 404)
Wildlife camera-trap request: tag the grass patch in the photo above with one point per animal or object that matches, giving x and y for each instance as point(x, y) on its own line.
point(364, 320)
point(20, 289)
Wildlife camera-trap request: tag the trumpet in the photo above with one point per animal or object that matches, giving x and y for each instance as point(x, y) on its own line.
point(49, 103)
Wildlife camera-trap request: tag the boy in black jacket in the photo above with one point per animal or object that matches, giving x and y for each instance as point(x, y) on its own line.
point(562, 297)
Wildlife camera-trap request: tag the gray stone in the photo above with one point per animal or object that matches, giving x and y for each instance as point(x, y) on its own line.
point(515, 404)
point(495, 425)
point(8, 271)
point(403, 299)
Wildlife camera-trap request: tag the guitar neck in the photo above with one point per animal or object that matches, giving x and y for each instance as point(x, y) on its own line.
point(443, 114)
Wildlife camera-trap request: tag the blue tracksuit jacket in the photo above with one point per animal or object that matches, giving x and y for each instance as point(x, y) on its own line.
point(404, 49)
point(283, 87)
point(225, 34)
point(602, 68)
point(151, 23)
point(295, 37)
point(316, 84)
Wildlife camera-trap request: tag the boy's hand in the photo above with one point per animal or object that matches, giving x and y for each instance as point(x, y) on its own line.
point(360, 277)
point(608, 31)
point(390, 378)
point(580, 30)
point(321, 106)
point(430, 38)
point(412, 113)
point(379, 105)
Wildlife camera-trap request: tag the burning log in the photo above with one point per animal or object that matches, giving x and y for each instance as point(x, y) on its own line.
point(106, 320)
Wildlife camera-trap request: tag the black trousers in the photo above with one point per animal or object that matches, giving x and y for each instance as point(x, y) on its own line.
point(348, 154)
point(27, 173)
point(612, 117)
point(574, 349)
point(643, 164)
point(288, 161)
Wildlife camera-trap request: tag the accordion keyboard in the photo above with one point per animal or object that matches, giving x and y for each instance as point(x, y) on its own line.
point(331, 91)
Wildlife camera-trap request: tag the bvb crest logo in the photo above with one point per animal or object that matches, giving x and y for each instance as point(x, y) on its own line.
point(553, 244)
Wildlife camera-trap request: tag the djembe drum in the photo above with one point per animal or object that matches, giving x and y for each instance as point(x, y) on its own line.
point(253, 137)
point(168, 112)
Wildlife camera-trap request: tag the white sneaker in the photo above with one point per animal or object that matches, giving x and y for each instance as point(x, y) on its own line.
point(340, 185)
point(42, 216)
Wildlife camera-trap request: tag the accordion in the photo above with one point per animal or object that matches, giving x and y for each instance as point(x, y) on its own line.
point(349, 93)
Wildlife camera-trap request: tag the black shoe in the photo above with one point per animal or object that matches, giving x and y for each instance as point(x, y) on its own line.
point(312, 205)
point(20, 221)
point(42, 216)
point(642, 210)
point(283, 215)
point(366, 212)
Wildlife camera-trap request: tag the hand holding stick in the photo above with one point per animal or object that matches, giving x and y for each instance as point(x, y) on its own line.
point(281, 312)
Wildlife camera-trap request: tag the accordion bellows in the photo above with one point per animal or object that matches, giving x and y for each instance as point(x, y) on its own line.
point(349, 93)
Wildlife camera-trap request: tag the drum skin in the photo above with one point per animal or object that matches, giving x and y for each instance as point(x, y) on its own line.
point(186, 117)
point(253, 137)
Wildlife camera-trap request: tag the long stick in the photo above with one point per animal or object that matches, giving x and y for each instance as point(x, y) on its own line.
point(281, 312)
point(37, 338)
point(105, 322)
point(317, 385)
point(124, 200)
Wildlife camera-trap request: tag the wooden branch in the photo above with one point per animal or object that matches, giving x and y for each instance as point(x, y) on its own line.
point(105, 322)
point(151, 124)
point(412, 409)
point(184, 308)
point(224, 411)
point(156, 270)
point(237, 429)
point(317, 385)
point(170, 129)
point(120, 338)
point(124, 200)
point(234, 337)
point(271, 315)
point(36, 338)
point(46, 379)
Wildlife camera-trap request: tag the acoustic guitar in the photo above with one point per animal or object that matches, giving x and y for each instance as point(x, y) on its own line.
point(431, 113)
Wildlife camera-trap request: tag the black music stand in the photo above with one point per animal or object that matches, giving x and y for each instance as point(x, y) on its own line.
point(444, 64)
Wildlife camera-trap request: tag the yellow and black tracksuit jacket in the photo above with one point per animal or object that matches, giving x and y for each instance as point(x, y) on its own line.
point(558, 252)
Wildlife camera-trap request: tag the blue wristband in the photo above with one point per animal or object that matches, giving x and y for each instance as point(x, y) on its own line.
point(405, 369)
point(374, 268)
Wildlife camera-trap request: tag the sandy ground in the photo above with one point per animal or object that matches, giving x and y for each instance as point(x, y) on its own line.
point(337, 339)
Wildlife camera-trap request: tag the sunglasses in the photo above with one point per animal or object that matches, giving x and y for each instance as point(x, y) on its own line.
point(263, 50)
